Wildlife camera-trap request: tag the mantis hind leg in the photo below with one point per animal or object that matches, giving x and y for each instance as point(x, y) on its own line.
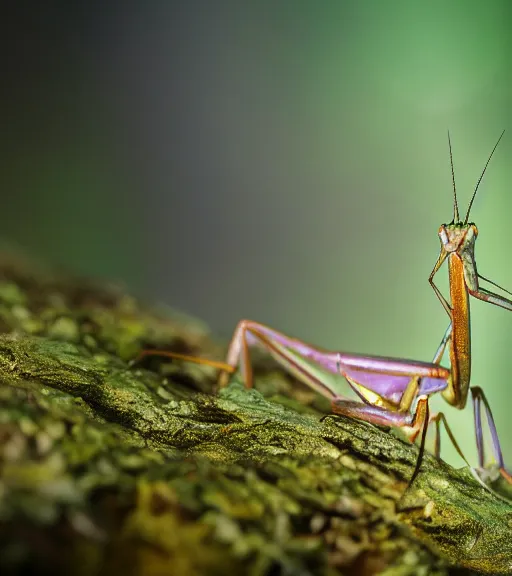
point(411, 424)
point(478, 399)
point(285, 350)
point(437, 419)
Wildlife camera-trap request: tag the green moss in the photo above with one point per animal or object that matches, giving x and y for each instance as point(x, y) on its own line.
point(107, 467)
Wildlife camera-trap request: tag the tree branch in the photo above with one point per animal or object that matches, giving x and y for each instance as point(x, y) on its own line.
point(110, 468)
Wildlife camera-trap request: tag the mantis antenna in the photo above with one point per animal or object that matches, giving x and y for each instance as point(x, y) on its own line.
point(480, 179)
point(456, 217)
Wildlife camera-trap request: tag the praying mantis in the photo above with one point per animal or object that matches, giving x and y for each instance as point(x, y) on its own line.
point(458, 248)
point(392, 391)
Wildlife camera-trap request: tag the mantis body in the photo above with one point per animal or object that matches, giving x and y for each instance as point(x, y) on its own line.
point(391, 391)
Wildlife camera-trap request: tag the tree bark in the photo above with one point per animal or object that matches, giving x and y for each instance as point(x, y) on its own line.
point(109, 467)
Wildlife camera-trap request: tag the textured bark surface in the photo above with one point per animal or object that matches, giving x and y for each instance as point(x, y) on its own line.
point(112, 468)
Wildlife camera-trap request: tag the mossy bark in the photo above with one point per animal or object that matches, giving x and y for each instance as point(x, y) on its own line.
point(109, 468)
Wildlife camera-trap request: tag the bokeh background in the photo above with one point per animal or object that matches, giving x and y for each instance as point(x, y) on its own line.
point(281, 161)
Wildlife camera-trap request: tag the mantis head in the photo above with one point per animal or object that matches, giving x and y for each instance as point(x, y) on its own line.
point(457, 236)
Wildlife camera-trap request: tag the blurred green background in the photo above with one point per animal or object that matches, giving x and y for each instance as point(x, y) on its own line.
point(281, 161)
